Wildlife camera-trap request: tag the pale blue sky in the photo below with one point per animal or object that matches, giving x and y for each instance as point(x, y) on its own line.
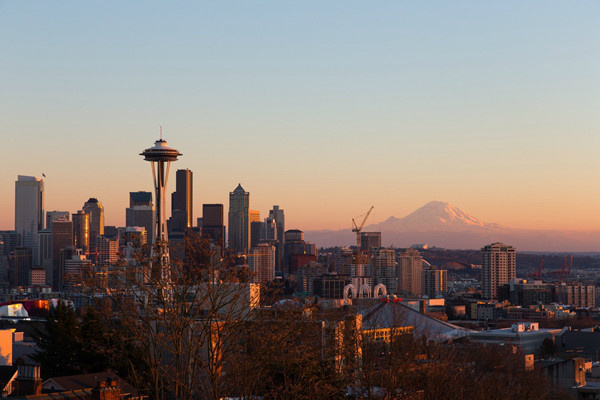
point(321, 107)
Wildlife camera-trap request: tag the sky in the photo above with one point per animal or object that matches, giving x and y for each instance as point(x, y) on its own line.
point(323, 108)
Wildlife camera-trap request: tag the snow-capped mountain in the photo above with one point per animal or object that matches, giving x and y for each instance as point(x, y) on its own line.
point(433, 216)
point(441, 224)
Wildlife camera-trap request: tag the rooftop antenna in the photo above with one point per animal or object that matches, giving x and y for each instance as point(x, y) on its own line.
point(161, 132)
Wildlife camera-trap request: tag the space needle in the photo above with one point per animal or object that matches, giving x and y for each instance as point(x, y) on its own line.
point(161, 157)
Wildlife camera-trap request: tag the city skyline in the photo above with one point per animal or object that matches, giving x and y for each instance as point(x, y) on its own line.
point(325, 108)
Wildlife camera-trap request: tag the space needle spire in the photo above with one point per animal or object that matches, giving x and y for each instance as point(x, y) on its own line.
point(161, 156)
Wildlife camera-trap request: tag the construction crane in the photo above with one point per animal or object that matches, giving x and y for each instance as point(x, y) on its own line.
point(358, 230)
point(537, 274)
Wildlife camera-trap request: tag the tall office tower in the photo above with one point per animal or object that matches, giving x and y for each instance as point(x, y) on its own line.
point(212, 223)
point(239, 220)
point(433, 282)
point(384, 268)
point(94, 208)
point(140, 199)
point(278, 216)
point(22, 264)
point(181, 201)
point(410, 264)
point(62, 237)
point(370, 240)
point(81, 231)
point(499, 266)
point(54, 215)
point(262, 263)
point(29, 210)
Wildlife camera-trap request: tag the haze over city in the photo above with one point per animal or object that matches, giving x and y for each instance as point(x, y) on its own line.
point(322, 108)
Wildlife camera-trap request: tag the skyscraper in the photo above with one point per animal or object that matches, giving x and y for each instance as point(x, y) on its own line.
point(239, 220)
point(94, 208)
point(81, 231)
point(410, 264)
point(29, 211)
point(141, 212)
point(212, 223)
point(278, 216)
point(182, 201)
point(62, 237)
point(499, 266)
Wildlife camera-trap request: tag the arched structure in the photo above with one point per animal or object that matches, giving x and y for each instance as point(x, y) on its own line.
point(380, 291)
point(347, 290)
point(365, 291)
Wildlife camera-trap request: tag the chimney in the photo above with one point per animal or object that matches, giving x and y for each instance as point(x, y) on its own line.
point(106, 390)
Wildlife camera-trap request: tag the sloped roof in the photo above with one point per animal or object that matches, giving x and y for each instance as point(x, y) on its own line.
point(389, 315)
point(83, 381)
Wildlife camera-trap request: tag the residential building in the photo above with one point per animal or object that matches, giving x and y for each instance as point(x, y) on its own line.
point(575, 294)
point(384, 267)
point(499, 266)
point(370, 240)
point(262, 263)
point(410, 264)
point(433, 282)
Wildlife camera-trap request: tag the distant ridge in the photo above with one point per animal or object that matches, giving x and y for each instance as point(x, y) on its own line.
point(443, 225)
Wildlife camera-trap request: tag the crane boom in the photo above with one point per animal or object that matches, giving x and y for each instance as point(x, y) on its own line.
point(358, 230)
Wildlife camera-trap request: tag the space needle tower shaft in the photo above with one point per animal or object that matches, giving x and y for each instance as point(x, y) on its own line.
point(161, 156)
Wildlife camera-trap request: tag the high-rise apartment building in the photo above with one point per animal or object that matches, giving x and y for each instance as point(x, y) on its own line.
point(262, 263)
point(410, 264)
point(239, 220)
point(370, 240)
point(182, 201)
point(81, 231)
point(499, 266)
point(29, 210)
point(433, 282)
point(383, 265)
point(96, 211)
